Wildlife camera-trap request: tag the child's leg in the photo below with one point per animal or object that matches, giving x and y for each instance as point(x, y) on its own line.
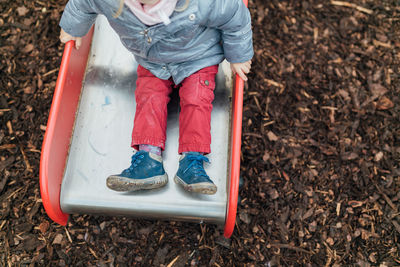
point(152, 97)
point(146, 170)
point(196, 96)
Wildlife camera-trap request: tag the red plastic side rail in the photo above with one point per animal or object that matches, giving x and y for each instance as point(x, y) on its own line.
point(59, 126)
point(237, 106)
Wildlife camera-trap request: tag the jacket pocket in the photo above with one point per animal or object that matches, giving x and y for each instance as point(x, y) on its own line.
point(188, 31)
point(131, 44)
point(184, 32)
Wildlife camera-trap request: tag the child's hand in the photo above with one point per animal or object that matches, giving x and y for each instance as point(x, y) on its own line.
point(65, 37)
point(241, 69)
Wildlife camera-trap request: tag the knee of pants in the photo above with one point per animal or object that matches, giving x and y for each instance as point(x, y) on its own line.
point(147, 97)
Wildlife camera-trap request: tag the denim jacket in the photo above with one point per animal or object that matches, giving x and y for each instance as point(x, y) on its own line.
point(202, 35)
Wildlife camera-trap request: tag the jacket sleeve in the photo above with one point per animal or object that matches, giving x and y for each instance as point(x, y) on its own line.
point(78, 17)
point(233, 19)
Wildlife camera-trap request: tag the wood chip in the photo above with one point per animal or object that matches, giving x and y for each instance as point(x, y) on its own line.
point(173, 261)
point(347, 4)
point(272, 136)
point(57, 240)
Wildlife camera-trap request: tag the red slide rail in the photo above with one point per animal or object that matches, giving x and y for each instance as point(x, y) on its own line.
point(237, 106)
point(60, 125)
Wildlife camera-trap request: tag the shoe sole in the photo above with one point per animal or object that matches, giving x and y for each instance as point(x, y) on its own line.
point(122, 184)
point(201, 188)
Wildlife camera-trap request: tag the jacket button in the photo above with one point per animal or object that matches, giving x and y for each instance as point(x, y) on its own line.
point(206, 82)
point(192, 16)
point(149, 40)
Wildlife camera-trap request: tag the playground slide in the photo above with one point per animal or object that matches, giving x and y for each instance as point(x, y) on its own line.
point(89, 133)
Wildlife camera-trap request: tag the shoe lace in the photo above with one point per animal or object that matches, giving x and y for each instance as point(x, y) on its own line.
point(136, 159)
point(197, 164)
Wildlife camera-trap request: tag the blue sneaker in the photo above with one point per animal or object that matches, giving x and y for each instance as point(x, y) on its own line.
point(192, 176)
point(146, 172)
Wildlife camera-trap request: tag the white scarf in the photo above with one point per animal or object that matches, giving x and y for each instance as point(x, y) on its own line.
point(152, 14)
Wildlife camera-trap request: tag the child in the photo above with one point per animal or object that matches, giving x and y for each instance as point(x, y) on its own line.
point(175, 42)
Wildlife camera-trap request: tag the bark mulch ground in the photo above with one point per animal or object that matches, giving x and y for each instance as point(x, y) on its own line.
point(320, 153)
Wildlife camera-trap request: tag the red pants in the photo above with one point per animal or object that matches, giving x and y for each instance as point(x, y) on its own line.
point(196, 94)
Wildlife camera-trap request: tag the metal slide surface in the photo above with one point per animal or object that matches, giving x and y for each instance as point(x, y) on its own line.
point(100, 144)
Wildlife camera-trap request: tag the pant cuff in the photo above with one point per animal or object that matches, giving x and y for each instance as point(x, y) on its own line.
point(147, 140)
point(202, 148)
